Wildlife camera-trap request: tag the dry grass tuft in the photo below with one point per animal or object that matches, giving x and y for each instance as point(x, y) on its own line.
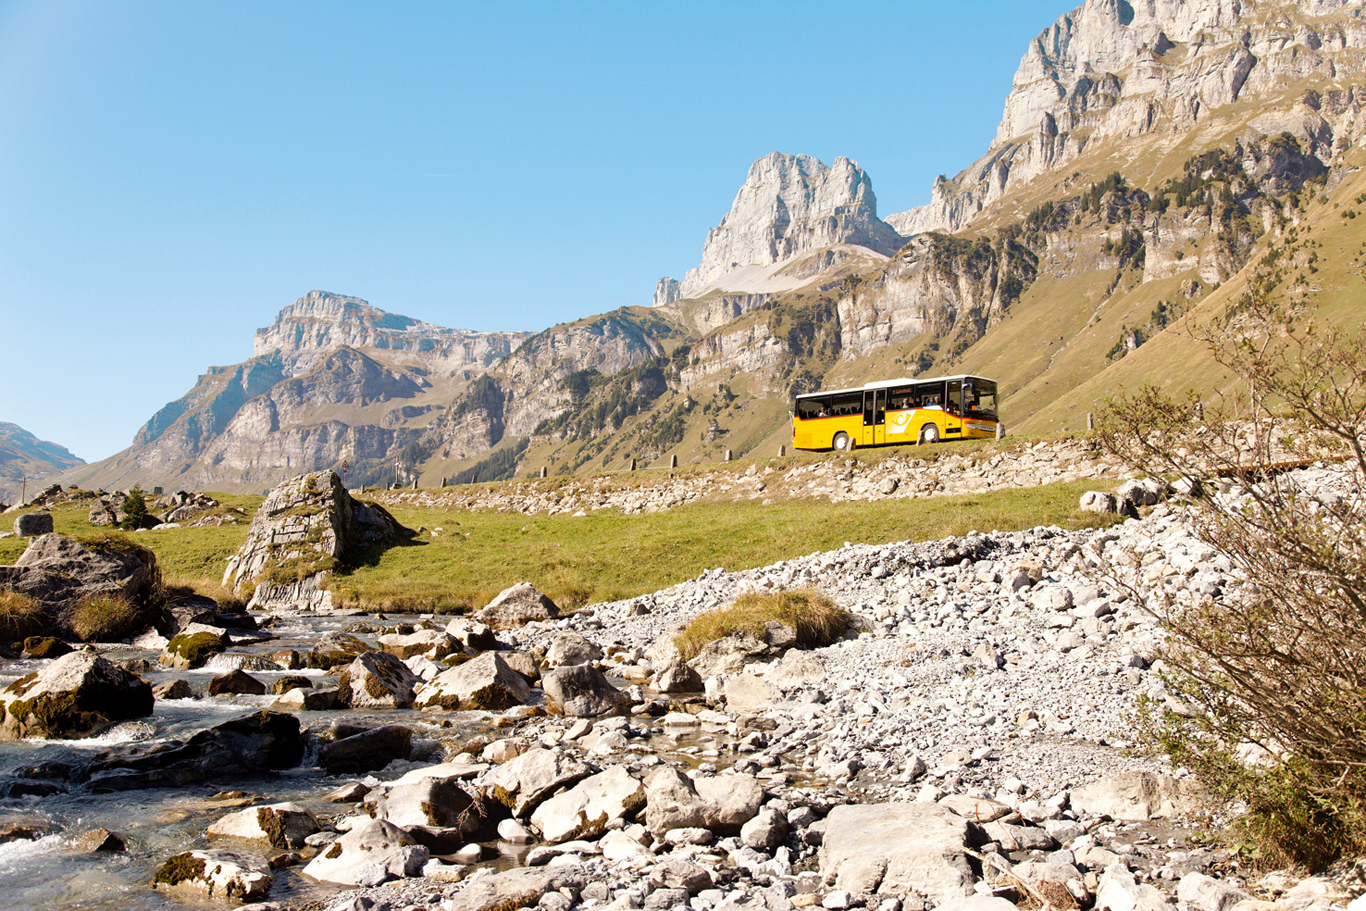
point(20, 616)
point(817, 619)
point(108, 618)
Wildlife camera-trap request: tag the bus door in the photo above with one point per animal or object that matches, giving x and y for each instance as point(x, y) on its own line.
point(874, 417)
point(953, 404)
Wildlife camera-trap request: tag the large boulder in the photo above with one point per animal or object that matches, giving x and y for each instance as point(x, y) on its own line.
point(429, 643)
point(279, 825)
point(586, 809)
point(377, 680)
point(33, 524)
point(485, 682)
point(434, 810)
point(335, 650)
point(518, 606)
point(236, 682)
point(58, 571)
point(369, 854)
point(570, 648)
point(721, 803)
point(1136, 797)
point(194, 647)
point(300, 531)
point(521, 783)
point(582, 691)
point(896, 848)
point(77, 695)
point(254, 743)
point(215, 874)
point(367, 751)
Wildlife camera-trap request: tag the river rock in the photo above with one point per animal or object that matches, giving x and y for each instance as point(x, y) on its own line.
point(766, 831)
point(433, 644)
point(1120, 890)
point(45, 647)
point(1099, 501)
point(306, 524)
point(895, 848)
point(721, 803)
point(796, 668)
point(585, 810)
point(173, 689)
point(521, 783)
point(377, 680)
point(367, 751)
point(194, 647)
point(239, 682)
point(371, 853)
point(472, 635)
point(678, 678)
point(435, 811)
point(747, 694)
point(215, 874)
point(77, 695)
point(99, 841)
point(521, 887)
point(485, 682)
point(254, 743)
point(58, 571)
point(730, 654)
point(280, 825)
point(570, 648)
point(335, 650)
point(307, 699)
point(582, 691)
point(1205, 893)
point(1136, 796)
point(517, 606)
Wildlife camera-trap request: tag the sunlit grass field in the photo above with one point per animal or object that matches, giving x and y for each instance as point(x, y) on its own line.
point(462, 558)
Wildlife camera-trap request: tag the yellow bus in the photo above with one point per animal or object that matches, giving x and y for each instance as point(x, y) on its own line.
point(896, 411)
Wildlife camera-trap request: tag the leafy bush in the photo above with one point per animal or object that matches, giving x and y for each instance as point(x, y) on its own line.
point(108, 618)
point(20, 616)
point(1276, 666)
point(816, 618)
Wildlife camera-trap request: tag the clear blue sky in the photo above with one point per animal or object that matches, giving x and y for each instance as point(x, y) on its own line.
point(173, 173)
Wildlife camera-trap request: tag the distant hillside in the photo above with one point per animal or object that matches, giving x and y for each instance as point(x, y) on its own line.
point(1152, 165)
point(24, 456)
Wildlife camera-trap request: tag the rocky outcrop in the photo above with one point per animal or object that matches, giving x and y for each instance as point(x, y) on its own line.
point(215, 874)
point(300, 531)
point(1111, 70)
point(789, 205)
point(77, 695)
point(320, 322)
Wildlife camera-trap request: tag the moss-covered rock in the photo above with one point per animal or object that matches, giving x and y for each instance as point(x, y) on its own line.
point(192, 649)
point(77, 695)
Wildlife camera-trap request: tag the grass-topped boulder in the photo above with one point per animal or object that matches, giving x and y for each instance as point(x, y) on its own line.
point(304, 529)
point(758, 626)
point(97, 588)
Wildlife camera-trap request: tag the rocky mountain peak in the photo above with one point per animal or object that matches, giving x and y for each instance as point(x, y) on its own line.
point(321, 321)
point(1111, 70)
point(789, 205)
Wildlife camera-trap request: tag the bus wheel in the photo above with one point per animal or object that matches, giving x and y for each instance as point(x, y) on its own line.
point(929, 434)
point(843, 443)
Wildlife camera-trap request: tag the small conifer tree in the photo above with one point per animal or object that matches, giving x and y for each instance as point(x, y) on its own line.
point(134, 510)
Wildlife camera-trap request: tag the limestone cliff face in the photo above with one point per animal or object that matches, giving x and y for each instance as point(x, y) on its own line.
point(320, 322)
point(608, 344)
point(1114, 70)
point(789, 205)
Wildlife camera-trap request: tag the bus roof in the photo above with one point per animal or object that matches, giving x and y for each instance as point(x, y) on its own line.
point(903, 381)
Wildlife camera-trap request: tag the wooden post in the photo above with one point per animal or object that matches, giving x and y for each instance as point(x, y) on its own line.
point(673, 461)
point(1199, 411)
point(443, 480)
point(414, 482)
point(729, 455)
point(782, 450)
point(542, 471)
point(1090, 421)
point(633, 463)
point(1000, 431)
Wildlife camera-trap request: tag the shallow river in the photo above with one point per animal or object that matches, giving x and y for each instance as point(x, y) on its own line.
point(156, 823)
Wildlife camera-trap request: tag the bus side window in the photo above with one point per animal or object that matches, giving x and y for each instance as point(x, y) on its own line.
point(954, 400)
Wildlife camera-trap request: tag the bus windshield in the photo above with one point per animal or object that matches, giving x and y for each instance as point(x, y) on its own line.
point(979, 398)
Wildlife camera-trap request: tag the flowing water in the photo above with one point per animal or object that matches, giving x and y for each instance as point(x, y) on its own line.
point(48, 873)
